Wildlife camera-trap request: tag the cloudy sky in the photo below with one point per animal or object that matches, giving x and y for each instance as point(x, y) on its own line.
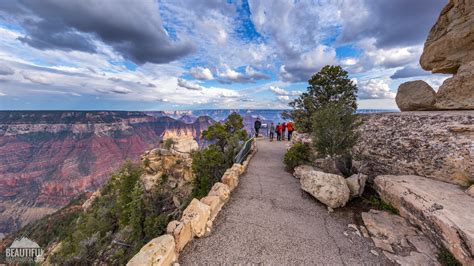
point(188, 54)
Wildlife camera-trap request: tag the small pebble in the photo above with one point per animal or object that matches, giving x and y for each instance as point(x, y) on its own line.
point(374, 252)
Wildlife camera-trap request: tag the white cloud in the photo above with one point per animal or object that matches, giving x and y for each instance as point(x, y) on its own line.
point(301, 68)
point(374, 89)
point(283, 98)
point(121, 90)
point(280, 91)
point(37, 78)
point(187, 84)
point(201, 73)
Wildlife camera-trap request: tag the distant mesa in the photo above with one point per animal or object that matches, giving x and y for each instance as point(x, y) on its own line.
point(448, 50)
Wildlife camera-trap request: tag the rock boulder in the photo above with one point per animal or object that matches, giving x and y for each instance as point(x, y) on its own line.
point(159, 251)
point(415, 96)
point(330, 189)
point(457, 92)
point(449, 43)
point(198, 214)
point(356, 184)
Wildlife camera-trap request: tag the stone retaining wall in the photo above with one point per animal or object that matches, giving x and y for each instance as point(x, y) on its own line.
point(196, 220)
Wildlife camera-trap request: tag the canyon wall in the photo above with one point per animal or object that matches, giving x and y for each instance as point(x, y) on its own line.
point(50, 157)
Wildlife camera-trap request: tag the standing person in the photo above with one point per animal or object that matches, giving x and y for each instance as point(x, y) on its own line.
point(291, 128)
point(283, 129)
point(272, 131)
point(257, 125)
point(278, 130)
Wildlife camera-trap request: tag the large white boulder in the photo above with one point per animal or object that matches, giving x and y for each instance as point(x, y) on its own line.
point(330, 189)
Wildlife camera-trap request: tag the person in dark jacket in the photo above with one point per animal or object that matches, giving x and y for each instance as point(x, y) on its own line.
point(272, 131)
point(257, 125)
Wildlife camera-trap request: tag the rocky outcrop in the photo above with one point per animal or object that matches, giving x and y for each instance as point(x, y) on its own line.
point(330, 189)
point(437, 145)
point(401, 243)
point(443, 211)
point(415, 96)
point(457, 92)
point(449, 43)
point(158, 252)
point(448, 50)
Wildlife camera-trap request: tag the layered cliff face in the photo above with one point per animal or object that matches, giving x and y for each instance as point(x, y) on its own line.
point(50, 157)
point(132, 207)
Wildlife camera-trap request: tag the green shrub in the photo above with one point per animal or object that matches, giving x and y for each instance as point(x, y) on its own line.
point(446, 258)
point(210, 163)
point(380, 204)
point(169, 143)
point(298, 154)
point(334, 130)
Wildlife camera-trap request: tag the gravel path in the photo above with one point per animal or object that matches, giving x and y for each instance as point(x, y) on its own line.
point(270, 220)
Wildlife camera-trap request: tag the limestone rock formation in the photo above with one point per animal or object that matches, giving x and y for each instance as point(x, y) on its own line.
point(198, 214)
point(443, 211)
point(356, 184)
point(330, 189)
point(448, 50)
point(415, 96)
point(437, 145)
point(401, 242)
point(159, 251)
point(449, 43)
point(181, 231)
point(231, 176)
point(457, 92)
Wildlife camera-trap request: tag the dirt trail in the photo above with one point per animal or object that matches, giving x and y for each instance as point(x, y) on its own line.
point(270, 220)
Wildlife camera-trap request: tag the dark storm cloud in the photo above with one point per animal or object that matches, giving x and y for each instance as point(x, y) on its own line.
point(408, 72)
point(393, 23)
point(132, 28)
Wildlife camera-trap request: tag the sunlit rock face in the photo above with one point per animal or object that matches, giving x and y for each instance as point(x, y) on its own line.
point(449, 49)
point(49, 157)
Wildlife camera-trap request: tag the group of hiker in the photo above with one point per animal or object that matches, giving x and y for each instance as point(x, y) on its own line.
point(280, 130)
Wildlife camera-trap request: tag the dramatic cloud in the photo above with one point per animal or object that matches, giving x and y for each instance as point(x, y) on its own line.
point(390, 23)
point(374, 89)
point(189, 85)
point(181, 54)
point(409, 71)
point(302, 68)
point(132, 28)
point(201, 73)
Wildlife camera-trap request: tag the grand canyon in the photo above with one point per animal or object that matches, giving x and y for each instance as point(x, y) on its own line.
point(50, 157)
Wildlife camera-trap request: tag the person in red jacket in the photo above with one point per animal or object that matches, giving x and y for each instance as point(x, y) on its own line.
point(279, 131)
point(290, 128)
